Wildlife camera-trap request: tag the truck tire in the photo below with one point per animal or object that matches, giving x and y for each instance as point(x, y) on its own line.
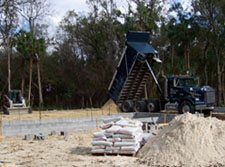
point(153, 106)
point(140, 106)
point(127, 106)
point(185, 107)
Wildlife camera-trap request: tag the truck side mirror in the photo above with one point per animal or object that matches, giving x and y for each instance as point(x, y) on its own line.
point(175, 82)
point(197, 81)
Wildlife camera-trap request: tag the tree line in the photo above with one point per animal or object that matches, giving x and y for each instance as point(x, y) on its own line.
point(86, 48)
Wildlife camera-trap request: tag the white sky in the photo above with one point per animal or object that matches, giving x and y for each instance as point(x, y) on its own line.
point(60, 8)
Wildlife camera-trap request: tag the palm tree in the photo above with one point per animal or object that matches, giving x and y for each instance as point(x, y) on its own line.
point(29, 48)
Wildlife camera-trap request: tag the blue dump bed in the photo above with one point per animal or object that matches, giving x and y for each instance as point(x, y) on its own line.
point(132, 73)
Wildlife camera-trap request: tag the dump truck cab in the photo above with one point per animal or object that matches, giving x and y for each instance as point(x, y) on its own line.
point(186, 96)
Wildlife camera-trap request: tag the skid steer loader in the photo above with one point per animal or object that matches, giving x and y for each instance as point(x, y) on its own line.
point(14, 103)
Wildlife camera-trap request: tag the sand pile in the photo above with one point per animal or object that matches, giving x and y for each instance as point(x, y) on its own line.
point(110, 105)
point(188, 141)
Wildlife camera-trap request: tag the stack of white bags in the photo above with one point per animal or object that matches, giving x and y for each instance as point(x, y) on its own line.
point(118, 135)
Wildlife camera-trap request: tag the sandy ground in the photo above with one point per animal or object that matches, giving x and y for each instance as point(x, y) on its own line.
point(57, 151)
point(58, 114)
point(108, 108)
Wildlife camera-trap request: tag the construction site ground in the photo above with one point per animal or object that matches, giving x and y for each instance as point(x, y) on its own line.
point(73, 150)
point(59, 114)
point(108, 109)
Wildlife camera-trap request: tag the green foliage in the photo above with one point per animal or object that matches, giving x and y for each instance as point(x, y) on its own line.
point(28, 45)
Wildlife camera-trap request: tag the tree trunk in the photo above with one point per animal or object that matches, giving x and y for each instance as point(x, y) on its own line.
point(188, 57)
point(205, 54)
point(219, 78)
point(223, 81)
point(219, 84)
point(22, 85)
point(39, 85)
point(82, 103)
point(9, 66)
point(172, 55)
point(22, 78)
point(185, 56)
point(90, 99)
point(30, 79)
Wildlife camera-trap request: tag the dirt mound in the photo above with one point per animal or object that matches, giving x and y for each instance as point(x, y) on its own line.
point(110, 105)
point(188, 141)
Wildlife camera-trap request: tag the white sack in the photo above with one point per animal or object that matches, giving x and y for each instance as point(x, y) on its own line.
point(105, 143)
point(107, 120)
point(119, 144)
point(113, 129)
point(99, 134)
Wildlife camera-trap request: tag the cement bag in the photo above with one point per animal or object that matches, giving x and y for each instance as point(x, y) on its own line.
point(120, 144)
point(129, 123)
point(106, 125)
point(99, 138)
point(112, 148)
point(108, 151)
point(113, 140)
point(127, 152)
point(122, 136)
point(107, 120)
point(129, 130)
point(104, 143)
point(108, 135)
point(130, 148)
point(97, 150)
point(116, 151)
point(129, 140)
point(99, 134)
point(98, 147)
point(138, 137)
point(113, 129)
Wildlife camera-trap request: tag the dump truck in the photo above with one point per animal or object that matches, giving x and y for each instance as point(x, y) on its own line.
point(180, 92)
point(14, 103)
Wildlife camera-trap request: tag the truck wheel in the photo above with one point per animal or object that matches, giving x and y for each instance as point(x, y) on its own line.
point(153, 106)
point(127, 106)
point(140, 106)
point(185, 107)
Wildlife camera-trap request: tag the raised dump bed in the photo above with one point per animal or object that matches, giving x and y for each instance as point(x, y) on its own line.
point(132, 71)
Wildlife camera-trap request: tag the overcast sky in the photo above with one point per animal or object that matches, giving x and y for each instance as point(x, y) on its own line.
point(60, 7)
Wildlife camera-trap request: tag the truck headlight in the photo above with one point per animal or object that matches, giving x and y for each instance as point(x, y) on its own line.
point(197, 99)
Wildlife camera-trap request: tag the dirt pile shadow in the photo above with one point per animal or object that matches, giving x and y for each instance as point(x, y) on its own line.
point(81, 150)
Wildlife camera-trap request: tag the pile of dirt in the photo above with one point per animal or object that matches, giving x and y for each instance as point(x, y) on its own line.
point(110, 105)
point(188, 141)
